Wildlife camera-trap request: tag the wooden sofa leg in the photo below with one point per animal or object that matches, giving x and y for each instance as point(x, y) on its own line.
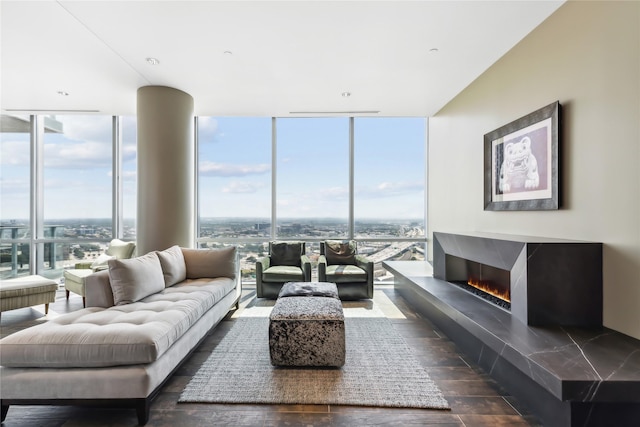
point(67, 295)
point(143, 409)
point(5, 409)
point(46, 309)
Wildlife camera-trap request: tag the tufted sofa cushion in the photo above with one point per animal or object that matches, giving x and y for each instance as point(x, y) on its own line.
point(129, 334)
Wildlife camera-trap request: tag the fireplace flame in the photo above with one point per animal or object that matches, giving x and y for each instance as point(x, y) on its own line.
point(488, 288)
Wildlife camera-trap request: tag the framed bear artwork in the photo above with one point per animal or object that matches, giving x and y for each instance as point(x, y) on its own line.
point(521, 163)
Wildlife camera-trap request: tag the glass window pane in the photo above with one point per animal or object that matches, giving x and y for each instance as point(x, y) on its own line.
point(14, 195)
point(234, 176)
point(312, 196)
point(389, 177)
point(129, 176)
point(377, 252)
point(77, 178)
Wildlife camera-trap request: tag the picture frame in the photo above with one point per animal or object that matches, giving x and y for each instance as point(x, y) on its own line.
point(521, 163)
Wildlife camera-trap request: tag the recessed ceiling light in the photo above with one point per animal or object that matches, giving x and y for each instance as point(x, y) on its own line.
point(434, 50)
point(227, 52)
point(153, 61)
point(346, 94)
point(63, 93)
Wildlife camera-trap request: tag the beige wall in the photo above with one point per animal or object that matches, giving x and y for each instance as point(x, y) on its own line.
point(587, 56)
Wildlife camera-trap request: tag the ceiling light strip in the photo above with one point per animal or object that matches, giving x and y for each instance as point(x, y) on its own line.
point(31, 110)
point(336, 112)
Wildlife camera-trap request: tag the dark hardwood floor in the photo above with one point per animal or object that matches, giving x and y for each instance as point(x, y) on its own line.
point(475, 399)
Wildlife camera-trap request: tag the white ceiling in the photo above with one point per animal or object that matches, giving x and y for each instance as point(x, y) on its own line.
point(288, 56)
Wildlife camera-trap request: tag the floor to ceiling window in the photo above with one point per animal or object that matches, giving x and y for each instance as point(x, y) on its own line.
point(58, 192)
point(312, 191)
point(129, 176)
point(67, 190)
point(332, 178)
point(389, 188)
point(77, 190)
point(15, 185)
point(234, 186)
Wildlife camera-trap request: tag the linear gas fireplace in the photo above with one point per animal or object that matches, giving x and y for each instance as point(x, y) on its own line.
point(489, 283)
point(540, 281)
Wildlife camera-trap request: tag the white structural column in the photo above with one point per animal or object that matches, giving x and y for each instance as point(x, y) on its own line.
point(166, 169)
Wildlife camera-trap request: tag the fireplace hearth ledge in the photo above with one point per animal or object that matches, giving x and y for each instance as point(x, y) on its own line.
point(566, 376)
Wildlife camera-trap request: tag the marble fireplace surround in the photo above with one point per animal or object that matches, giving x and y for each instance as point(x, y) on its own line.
point(565, 375)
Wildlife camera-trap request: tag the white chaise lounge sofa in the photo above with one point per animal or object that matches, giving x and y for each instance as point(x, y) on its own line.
point(144, 316)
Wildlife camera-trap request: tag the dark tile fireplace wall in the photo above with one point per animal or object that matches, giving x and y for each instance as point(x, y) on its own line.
point(553, 281)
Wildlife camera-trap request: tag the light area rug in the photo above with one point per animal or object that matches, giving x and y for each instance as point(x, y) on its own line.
point(380, 370)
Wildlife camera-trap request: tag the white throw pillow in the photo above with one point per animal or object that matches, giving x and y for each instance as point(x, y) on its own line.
point(173, 266)
point(101, 261)
point(120, 249)
point(135, 278)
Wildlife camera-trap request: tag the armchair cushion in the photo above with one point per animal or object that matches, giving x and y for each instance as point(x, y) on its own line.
point(174, 269)
point(283, 273)
point(286, 253)
point(135, 278)
point(345, 274)
point(120, 249)
point(338, 252)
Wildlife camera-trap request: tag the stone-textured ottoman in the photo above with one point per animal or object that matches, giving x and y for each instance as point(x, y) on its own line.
point(307, 330)
point(27, 291)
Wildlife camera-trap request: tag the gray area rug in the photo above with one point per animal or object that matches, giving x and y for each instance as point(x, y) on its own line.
point(380, 370)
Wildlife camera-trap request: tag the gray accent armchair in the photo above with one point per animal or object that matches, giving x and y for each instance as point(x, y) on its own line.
point(340, 263)
point(286, 262)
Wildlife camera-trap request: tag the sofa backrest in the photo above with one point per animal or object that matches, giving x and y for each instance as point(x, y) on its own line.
point(210, 262)
point(199, 263)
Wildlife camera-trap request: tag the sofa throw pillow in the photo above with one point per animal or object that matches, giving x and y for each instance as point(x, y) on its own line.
point(210, 263)
point(120, 249)
point(337, 252)
point(173, 266)
point(135, 278)
point(286, 253)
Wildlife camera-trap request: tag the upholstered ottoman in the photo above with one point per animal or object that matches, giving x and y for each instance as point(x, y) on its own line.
point(27, 291)
point(307, 330)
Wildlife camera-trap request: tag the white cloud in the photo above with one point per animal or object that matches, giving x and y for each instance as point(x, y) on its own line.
point(87, 128)
point(84, 155)
point(15, 153)
point(221, 169)
point(243, 187)
point(207, 129)
point(389, 189)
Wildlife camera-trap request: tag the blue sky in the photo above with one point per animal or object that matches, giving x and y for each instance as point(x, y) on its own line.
point(312, 167)
point(235, 168)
